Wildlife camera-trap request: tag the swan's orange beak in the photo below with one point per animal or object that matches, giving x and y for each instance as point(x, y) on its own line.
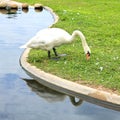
point(87, 56)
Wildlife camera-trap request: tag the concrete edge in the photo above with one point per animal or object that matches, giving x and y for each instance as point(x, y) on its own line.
point(102, 98)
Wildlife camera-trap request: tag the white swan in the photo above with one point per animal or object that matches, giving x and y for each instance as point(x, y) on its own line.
point(50, 38)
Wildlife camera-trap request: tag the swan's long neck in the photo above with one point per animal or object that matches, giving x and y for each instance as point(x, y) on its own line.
point(82, 37)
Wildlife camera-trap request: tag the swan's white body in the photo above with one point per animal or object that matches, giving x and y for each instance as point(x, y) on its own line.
point(50, 38)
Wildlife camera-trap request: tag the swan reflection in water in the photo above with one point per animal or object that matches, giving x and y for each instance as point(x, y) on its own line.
point(49, 94)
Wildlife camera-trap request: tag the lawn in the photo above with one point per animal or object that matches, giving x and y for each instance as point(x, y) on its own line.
point(99, 20)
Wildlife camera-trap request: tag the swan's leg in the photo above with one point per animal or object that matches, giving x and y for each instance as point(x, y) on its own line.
point(49, 54)
point(55, 52)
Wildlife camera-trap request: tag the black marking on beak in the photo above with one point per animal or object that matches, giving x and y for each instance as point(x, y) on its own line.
point(88, 53)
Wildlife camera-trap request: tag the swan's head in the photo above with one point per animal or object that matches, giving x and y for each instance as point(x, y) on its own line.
point(87, 51)
point(88, 55)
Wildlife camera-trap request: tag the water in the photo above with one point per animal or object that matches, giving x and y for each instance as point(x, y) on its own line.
point(28, 100)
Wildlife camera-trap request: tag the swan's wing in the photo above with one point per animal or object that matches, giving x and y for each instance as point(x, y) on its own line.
point(53, 35)
point(48, 38)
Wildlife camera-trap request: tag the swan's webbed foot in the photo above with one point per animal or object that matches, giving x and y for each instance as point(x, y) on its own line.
point(57, 57)
point(60, 55)
point(53, 58)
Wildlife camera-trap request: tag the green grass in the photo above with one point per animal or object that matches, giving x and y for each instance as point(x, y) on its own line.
point(99, 20)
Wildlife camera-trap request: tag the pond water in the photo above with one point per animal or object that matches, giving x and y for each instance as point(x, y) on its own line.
point(27, 100)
